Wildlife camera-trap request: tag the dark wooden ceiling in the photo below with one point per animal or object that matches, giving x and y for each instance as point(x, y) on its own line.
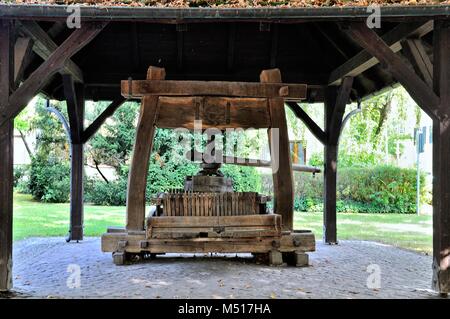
point(305, 50)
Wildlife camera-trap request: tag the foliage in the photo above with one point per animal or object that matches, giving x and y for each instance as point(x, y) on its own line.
point(49, 180)
point(113, 144)
point(22, 178)
point(379, 189)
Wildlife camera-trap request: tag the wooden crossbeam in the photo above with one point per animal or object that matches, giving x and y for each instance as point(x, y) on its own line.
point(140, 88)
point(309, 122)
point(251, 162)
point(414, 50)
point(364, 60)
point(417, 88)
point(44, 47)
point(109, 111)
point(56, 61)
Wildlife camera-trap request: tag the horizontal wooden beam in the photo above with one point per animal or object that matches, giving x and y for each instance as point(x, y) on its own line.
point(44, 47)
point(109, 111)
point(137, 89)
point(251, 162)
point(213, 112)
point(364, 60)
point(401, 71)
point(309, 122)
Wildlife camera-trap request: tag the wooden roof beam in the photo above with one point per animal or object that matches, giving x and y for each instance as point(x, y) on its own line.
point(364, 60)
point(56, 61)
point(399, 69)
point(414, 50)
point(44, 46)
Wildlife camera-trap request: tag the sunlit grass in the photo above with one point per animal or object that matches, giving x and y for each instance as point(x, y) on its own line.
point(406, 231)
point(35, 219)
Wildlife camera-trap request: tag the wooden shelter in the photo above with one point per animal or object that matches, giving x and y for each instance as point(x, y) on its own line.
point(332, 50)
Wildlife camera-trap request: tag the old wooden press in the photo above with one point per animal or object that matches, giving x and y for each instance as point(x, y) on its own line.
point(207, 215)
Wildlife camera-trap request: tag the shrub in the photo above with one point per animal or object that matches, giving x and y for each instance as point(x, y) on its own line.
point(379, 189)
point(49, 180)
point(22, 178)
point(100, 192)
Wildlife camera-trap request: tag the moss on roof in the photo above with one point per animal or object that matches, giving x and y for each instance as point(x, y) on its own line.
point(232, 3)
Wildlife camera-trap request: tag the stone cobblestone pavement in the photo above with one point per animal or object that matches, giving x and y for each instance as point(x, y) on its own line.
point(340, 271)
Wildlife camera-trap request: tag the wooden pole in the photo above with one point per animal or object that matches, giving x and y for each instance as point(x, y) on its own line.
point(335, 102)
point(75, 108)
point(281, 163)
point(6, 158)
point(441, 160)
point(137, 180)
point(330, 173)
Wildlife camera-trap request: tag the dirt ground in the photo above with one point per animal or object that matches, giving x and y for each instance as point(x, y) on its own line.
point(52, 268)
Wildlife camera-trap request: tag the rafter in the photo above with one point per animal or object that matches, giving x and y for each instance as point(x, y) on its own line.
point(44, 47)
point(416, 87)
point(415, 52)
point(56, 61)
point(364, 60)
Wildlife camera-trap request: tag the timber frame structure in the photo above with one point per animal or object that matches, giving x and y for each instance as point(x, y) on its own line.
point(207, 216)
point(332, 50)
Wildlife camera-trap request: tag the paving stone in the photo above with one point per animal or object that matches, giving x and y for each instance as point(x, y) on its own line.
point(43, 267)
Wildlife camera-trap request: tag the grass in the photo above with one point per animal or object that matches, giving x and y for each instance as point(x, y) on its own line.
point(35, 219)
point(401, 230)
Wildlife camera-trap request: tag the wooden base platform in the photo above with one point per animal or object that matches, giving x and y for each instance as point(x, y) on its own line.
point(257, 234)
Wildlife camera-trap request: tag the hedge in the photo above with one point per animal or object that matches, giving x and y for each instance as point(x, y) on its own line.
point(380, 189)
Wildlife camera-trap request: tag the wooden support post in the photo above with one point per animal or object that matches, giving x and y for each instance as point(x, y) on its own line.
point(6, 204)
point(335, 102)
point(75, 108)
point(441, 160)
point(281, 155)
point(6, 158)
point(137, 180)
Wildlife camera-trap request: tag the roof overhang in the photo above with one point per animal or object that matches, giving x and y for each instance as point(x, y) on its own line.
point(176, 15)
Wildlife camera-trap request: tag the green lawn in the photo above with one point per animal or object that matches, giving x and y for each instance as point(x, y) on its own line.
point(35, 219)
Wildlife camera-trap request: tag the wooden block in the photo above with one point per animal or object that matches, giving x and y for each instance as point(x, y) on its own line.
point(301, 259)
point(275, 258)
point(119, 258)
